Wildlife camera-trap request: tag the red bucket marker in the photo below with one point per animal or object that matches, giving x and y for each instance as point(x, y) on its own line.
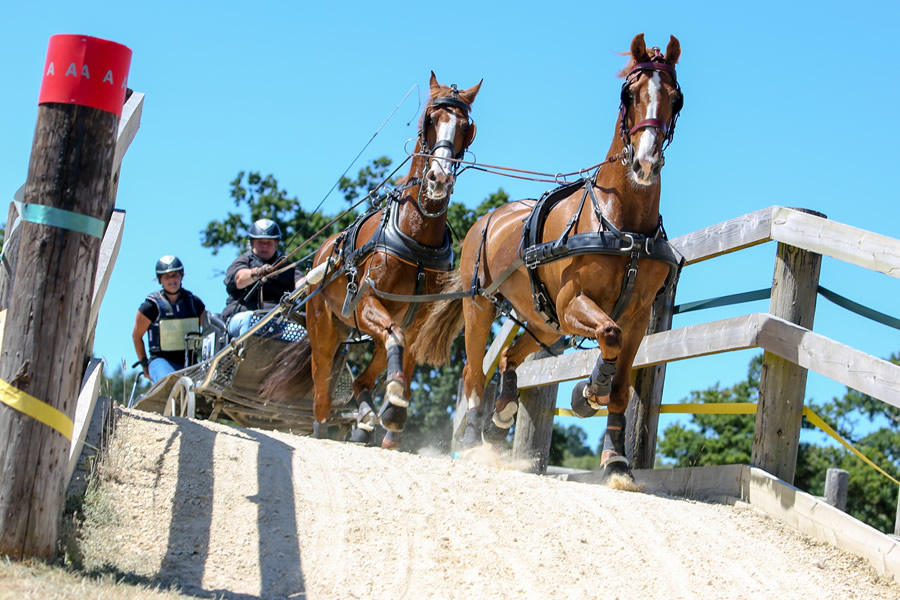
point(86, 71)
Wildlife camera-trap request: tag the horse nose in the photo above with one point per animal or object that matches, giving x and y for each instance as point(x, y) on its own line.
point(437, 176)
point(646, 165)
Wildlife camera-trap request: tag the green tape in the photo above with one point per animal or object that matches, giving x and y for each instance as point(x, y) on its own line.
point(859, 309)
point(64, 219)
point(723, 301)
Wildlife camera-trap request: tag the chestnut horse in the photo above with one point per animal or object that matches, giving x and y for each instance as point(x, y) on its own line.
point(569, 271)
point(401, 249)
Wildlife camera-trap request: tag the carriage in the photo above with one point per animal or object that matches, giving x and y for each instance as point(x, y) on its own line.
point(224, 376)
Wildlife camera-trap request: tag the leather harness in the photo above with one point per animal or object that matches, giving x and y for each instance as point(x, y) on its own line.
point(389, 239)
point(608, 241)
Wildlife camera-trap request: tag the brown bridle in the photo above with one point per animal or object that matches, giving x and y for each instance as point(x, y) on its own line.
point(667, 130)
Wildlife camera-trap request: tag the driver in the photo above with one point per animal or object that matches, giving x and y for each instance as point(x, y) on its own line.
point(244, 280)
point(166, 316)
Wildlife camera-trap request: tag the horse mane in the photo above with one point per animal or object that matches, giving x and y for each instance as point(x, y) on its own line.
point(628, 65)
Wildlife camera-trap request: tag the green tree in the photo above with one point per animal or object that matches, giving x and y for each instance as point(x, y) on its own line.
point(728, 439)
point(257, 197)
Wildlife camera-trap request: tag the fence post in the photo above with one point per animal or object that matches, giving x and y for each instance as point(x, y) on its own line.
point(534, 420)
point(642, 415)
point(836, 483)
point(67, 198)
point(782, 384)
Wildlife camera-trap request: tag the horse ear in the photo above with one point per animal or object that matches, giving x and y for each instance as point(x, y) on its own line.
point(434, 86)
point(468, 96)
point(639, 49)
point(673, 50)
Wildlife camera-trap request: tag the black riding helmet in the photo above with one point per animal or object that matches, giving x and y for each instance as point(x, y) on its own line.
point(168, 264)
point(265, 229)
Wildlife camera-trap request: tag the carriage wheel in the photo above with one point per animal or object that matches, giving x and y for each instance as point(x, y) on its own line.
point(181, 402)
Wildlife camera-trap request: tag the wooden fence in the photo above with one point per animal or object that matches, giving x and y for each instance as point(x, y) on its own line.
point(784, 333)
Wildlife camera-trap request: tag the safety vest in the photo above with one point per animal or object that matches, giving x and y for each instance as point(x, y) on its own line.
point(166, 333)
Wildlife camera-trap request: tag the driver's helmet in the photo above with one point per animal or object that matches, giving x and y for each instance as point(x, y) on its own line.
point(265, 229)
point(168, 264)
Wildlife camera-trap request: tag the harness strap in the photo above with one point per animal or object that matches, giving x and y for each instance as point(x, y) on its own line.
point(414, 306)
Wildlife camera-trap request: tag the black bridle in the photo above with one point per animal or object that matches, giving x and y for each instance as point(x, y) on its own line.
point(451, 101)
point(667, 130)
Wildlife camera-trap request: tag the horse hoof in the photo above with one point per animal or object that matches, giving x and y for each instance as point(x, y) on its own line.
point(580, 405)
point(393, 417)
point(491, 434)
point(617, 465)
point(320, 430)
point(361, 436)
point(391, 440)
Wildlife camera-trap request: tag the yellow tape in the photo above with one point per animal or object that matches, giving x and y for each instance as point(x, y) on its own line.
point(745, 408)
point(36, 409)
point(818, 422)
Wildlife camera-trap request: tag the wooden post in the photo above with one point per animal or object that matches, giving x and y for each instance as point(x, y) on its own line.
point(836, 483)
point(782, 385)
point(534, 420)
point(44, 338)
point(642, 415)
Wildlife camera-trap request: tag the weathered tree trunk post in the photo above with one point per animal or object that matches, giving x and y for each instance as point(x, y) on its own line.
point(67, 203)
point(534, 420)
point(782, 384)
point(836, 483)
point(642, 415)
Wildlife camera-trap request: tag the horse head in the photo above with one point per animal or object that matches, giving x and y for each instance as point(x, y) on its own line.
point(650, 103)
point(446, 131)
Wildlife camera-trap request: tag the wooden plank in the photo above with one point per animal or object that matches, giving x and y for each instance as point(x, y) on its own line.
point(843, 242)
point(503, 339)
point(818, 519)
point(129, 123)
point(109, 251)
point(698, 483)
point(876, 377)
point(749, 230)
point(84, 410)
point(737, 333)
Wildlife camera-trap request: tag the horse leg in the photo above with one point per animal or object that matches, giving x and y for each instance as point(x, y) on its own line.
point(479, 315)
point(613, 457)
point(507, 404)
point(391, 439)
point(374, 319)
point(362, 391)
point(582, 316)
point(323, 338)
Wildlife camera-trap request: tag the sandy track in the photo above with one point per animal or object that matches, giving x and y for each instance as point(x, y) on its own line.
point(249, 514)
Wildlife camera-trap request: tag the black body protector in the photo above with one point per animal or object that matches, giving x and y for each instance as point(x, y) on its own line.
point(166, 333)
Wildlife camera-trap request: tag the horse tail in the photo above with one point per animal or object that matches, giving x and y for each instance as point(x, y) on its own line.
point(290, 378)
point(441, 324)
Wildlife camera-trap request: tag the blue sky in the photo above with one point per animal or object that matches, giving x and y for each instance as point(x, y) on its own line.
point(785, 103)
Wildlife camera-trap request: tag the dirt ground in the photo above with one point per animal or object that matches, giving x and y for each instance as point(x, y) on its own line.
point(238, 514)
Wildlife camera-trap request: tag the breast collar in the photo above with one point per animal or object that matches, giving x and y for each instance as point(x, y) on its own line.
point(389, 239)
point(609, 241)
